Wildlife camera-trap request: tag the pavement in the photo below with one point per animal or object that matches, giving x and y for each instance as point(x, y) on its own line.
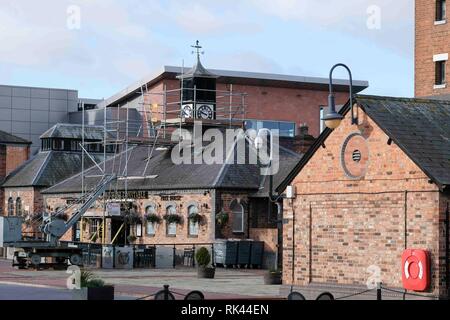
point(133, 284)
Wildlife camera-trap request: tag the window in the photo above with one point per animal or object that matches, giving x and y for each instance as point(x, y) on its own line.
point(171, 227)
point(441, 11)
point(150, 229)
point(58, 144)
point(75, 145)
point(193, 226)
point(10, 206)
point(285, 128)
point(238, 217)
point(322, 122)
point(93, 226)
point(440, 72)
point(19, 207)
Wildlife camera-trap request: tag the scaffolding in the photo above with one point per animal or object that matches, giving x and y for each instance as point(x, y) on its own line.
point(156, 116)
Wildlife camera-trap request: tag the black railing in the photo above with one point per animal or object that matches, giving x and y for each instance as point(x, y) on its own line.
point(145, 256)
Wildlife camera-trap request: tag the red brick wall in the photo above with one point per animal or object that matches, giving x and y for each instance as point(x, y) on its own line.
point(344, 225)
point(29, 196)
point(15, 157)
point(225, 200)
point(2, 161)
point(201, 199)
point(430, 40)
point(267, 103)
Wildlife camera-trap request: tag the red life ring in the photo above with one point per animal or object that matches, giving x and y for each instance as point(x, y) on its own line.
point(415, 270)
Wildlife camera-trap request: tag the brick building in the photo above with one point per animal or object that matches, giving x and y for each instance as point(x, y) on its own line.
point(432, 69)
point(156, 188)
point(13, 152)
point(364, 194)
point(60, 157)
point(272, 101)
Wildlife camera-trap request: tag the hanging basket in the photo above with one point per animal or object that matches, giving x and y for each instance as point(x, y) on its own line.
point(173, 218)
point(222, 218)
point(196, 218)
point(153, 218)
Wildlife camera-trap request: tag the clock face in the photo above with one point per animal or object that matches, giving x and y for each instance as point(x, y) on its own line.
point(205, 112)
point(187, 111)
point(355, 156)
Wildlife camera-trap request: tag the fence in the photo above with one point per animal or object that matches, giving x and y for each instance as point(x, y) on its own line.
point(140, 256)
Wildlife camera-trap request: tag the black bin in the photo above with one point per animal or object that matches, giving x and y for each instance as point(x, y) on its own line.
point(256, 257)
point(244, 252)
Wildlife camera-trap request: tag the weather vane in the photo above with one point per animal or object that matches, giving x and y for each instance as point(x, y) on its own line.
point(198, 47)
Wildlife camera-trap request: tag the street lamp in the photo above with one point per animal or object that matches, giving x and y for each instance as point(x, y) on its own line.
point(332, 118)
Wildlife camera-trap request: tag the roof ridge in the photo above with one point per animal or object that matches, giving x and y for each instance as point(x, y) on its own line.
point(404, 99)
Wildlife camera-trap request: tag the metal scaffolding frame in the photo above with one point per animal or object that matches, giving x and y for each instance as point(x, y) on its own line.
point(159, 115)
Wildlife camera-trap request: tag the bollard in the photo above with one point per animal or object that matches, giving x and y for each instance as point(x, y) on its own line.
point(166, 292)
point(379, 291)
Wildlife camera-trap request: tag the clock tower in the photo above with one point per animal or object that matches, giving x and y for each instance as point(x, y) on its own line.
point(198, 94)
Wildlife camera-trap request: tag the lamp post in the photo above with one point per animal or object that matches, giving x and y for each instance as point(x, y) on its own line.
point(333, 119)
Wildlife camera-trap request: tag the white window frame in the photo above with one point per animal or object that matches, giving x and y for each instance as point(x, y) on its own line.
point(171, 228)
point(236, 213)
point(193, 227)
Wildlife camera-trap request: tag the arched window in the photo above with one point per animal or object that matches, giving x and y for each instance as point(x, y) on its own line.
point(171, 227)
point(193, 224)
point(10, 206)
point(150, 210)
point(19, 207)
point(238, 217)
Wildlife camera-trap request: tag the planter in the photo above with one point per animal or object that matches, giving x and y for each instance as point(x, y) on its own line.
point(206, 273)
point(94, 294)
point(273, 278)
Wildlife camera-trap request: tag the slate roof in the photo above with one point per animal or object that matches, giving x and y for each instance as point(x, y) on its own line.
point(420, 127)
point(74, 131)
point(163, 174)
point(6, 138)
point(48, 168)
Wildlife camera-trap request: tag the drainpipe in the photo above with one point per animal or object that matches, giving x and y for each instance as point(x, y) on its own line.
point(447, 262)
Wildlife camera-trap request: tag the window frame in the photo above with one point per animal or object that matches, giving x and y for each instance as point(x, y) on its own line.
point(193, 224)
point(152, 224)
point(440, 72)
point(171, 225)
point(19, 206)
point(235, 205)
point(11, 206)
point(441, 10)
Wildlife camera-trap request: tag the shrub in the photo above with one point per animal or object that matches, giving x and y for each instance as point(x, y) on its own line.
point(89, 280)
point(203, 257)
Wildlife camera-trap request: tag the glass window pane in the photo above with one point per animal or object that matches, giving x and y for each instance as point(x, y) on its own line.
point(172, 229)
point(287, 129)
point(150, 228)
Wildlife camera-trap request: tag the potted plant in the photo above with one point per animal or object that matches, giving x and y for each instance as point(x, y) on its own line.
point(93, 288)
point(273, 277)
point(203, 258)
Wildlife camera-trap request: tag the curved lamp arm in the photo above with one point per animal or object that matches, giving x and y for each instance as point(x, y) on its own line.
point(354, 119)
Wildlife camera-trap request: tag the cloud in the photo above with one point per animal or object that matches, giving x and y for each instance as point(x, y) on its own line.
point(350, 16)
